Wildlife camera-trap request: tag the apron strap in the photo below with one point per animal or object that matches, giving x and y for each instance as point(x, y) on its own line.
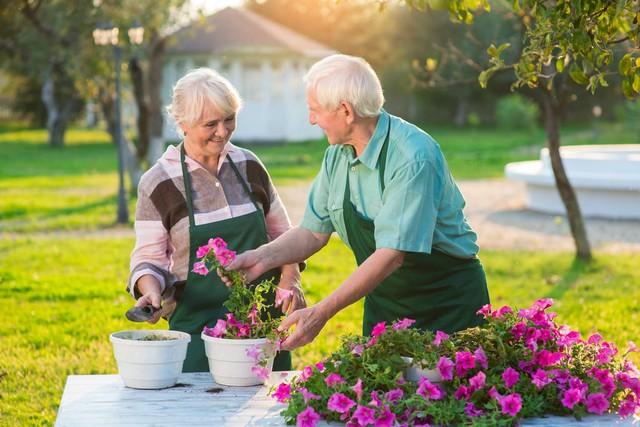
point(383, 156)
point(187, 186)
point(243, 182)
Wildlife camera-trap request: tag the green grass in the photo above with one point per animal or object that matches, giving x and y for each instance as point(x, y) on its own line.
point(74, 188)
point(63, 297)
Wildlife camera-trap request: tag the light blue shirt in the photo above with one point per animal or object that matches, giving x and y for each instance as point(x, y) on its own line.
point(421, 207)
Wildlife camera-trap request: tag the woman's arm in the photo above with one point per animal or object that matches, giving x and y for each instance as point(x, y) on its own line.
point(361, 282)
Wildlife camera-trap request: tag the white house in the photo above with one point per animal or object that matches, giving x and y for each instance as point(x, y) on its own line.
point(264, 60)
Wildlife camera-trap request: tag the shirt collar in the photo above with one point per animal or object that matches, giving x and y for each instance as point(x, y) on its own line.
point(172, 155)
point(371, 153)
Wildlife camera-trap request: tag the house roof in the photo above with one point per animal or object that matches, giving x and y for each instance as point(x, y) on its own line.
point(238, 29)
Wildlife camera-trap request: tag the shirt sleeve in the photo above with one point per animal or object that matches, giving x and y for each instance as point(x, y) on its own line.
point(407, 218)
point(151, 254)
point(316, 215)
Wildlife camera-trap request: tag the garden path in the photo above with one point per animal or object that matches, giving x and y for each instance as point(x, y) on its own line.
point(495, 209)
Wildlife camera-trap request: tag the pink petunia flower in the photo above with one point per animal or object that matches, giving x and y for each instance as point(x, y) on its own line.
point(217, 243)
point(403, 324)
point(440, 337)
point(340, 403)
point(597, 403)
point(202, 251)
point(540, 378)
point(504, 310)
point(253, 315)
point(225, 256)
point(357, 388)
point(307, 395)
point(594, 339)
point(571, 397)
point(462, 393)
point(464, 362)
point(445, 366)
point(428, 390)
point(627, 407)
point(282, 295)
point(378, 329)
point(364, 415)
point(307, 418)
point(282, 393)
point(477, 381)
point(394, 395)
point(334, 379)
point(320, 366)
point(306, 373)
point(510, 377)
point(254, 353)
point(260, 372)
point(357, 349)
point(511, 404)
point(386, 419)
point(200, 268)
point(546, 358)
point(375, 399)
point(219, 330)
point(485, 311)
point(471, 411)
point(481, 358)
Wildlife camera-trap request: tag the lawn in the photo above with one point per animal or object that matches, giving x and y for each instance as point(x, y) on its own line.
point(63, 293)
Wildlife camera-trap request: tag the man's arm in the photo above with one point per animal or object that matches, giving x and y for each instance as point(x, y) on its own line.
point(361, 282)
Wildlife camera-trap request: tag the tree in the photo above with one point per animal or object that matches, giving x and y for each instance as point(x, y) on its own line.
point(44, 41)
point(574, 37)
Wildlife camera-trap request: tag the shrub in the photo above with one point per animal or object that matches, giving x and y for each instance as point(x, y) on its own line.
point(517, 112)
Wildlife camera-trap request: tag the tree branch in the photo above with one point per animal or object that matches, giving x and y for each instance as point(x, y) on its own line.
point(31, 13)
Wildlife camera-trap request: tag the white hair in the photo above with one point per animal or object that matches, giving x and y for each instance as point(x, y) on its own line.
point(195, 90)
point(344, 78)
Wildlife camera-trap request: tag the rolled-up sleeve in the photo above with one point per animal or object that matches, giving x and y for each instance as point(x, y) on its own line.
point(407, 218)
point(316, 216)
point(151, 254)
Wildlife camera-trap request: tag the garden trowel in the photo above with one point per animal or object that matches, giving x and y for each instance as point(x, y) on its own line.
point(141, 314)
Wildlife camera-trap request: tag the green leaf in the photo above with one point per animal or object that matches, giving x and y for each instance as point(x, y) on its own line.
point(560, 65)
point(627, 89)
point(625, 64)
point(484, 77)
point(636, 83)
point(577, 75)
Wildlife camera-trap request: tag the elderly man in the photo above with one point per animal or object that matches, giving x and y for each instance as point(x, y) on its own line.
point(384, 187)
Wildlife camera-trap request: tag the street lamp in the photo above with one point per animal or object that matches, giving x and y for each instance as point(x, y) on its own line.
point(104, 35)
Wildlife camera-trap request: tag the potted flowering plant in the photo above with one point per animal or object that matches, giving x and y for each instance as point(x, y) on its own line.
point(518, 365)
point(241, 347)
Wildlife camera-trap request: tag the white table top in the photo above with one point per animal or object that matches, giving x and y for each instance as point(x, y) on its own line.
point(103, 400)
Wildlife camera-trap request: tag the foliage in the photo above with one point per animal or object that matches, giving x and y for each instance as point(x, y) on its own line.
point(517, 365)
point(517, 112)
point(575, 37)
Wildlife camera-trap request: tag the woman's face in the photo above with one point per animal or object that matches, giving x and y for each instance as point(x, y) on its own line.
point(208, 136)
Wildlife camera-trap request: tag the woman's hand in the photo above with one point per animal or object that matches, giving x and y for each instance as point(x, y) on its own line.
point(151, 298)
point(289, 295)
point(309, 322)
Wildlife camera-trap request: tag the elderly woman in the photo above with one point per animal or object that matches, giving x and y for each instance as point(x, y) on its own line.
point(203, 187)
point(385, 188)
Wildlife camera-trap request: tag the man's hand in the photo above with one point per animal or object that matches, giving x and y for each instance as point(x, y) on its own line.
point(309, 322)
point(154, 298)
point(249, 264)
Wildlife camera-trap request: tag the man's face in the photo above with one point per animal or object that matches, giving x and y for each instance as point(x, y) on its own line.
point(332, 122)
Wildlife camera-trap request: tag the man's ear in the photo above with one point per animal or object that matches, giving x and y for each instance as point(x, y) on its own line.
point(347, 110)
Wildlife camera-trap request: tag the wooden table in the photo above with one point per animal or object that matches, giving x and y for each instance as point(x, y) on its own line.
point(103, 400)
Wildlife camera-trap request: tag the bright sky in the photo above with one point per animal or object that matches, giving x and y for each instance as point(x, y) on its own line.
point(210, 6)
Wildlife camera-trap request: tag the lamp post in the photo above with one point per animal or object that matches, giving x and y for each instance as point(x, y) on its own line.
point(104, 35)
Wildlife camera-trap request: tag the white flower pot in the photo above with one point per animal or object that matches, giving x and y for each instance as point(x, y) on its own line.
point(414, 372)
point(229, 363)
point(149, 364)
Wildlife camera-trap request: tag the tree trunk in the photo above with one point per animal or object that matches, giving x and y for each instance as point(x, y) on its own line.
point(54, 128)
point(462, 110)
point(155, 81)
point(567, 194)
point(142, 101)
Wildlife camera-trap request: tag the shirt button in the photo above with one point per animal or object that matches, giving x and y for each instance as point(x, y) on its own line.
point(217, 184)
point(353, 168)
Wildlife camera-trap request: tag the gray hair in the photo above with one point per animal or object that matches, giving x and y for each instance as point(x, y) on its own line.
point(344, 78)
point(198, 88)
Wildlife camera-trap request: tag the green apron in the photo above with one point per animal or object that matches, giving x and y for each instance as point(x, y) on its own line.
point(438, 291)
point(200, 302)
